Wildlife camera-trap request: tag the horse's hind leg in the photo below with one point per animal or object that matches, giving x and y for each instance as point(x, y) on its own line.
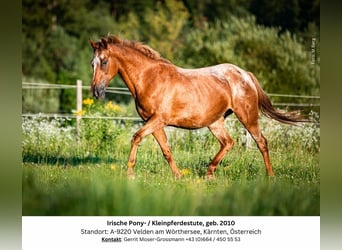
point(218, 130)
point(161, 138)
point(250, 121)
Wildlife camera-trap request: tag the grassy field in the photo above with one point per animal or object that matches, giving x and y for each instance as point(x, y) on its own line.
point(66, 176)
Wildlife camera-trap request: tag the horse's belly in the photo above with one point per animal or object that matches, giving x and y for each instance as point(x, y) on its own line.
point(194, 118)
point(196, 112)
point(189, 123)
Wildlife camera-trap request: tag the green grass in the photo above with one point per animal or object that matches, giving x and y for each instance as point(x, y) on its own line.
point(63, 176)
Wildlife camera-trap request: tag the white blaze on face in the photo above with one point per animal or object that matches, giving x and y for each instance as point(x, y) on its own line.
point(96, 62)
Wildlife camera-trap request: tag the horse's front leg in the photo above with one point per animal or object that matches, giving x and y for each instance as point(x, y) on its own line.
point(153, 124)
point(161, 138)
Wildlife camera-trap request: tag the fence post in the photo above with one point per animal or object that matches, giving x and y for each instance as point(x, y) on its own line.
point(78, 106)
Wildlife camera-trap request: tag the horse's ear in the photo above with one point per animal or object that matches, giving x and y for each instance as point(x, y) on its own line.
point(104, 43)
point(93, 44)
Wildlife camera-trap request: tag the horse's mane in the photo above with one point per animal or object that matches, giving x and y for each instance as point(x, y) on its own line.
point(138, 46)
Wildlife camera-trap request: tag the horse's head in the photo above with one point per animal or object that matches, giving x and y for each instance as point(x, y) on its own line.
point(104, 67)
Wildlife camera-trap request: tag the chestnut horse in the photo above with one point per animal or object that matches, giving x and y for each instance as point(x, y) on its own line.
point(167, 95)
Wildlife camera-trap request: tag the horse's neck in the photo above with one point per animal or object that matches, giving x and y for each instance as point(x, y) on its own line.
point(130, 83)
point(132, 69)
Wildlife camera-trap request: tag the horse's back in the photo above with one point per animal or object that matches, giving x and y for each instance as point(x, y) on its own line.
point(224, 77)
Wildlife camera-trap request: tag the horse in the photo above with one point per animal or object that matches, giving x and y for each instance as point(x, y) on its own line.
point(168, 95)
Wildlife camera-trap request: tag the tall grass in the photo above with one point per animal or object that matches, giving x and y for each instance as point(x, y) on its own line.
point(63, 175)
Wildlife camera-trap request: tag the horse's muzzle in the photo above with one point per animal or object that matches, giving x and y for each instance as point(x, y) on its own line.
point(99, 91)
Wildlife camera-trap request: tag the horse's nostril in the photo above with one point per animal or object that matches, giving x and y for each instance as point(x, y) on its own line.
point(99, 91)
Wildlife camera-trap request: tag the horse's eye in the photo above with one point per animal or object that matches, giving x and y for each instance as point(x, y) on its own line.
point(104, 63)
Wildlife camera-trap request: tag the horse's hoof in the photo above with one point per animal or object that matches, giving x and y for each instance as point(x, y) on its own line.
point(210, 177)
point(271, 174)
point(178, 176)
point(130, 174)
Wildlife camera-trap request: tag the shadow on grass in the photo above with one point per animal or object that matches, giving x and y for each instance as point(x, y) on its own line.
point(67, 161)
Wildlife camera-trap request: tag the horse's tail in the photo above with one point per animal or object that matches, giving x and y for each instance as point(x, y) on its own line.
point(267, 108)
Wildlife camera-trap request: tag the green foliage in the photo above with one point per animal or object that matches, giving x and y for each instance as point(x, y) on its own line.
point(279, 61)
point(160, 27)
point(293, 15)
point(34, 63)
point(40, 100)
point(166, 23)
point(93, 132)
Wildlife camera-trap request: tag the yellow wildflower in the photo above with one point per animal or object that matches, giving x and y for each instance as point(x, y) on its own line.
point(88, 101)
point(112, 107)
point(185, 171)
point(116, 108)
point(113, 167)
point(198, 180)
point(79, 112)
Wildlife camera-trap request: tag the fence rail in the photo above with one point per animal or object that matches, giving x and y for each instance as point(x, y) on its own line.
point(73, 116)
point(30, 85)
point(124, 91)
